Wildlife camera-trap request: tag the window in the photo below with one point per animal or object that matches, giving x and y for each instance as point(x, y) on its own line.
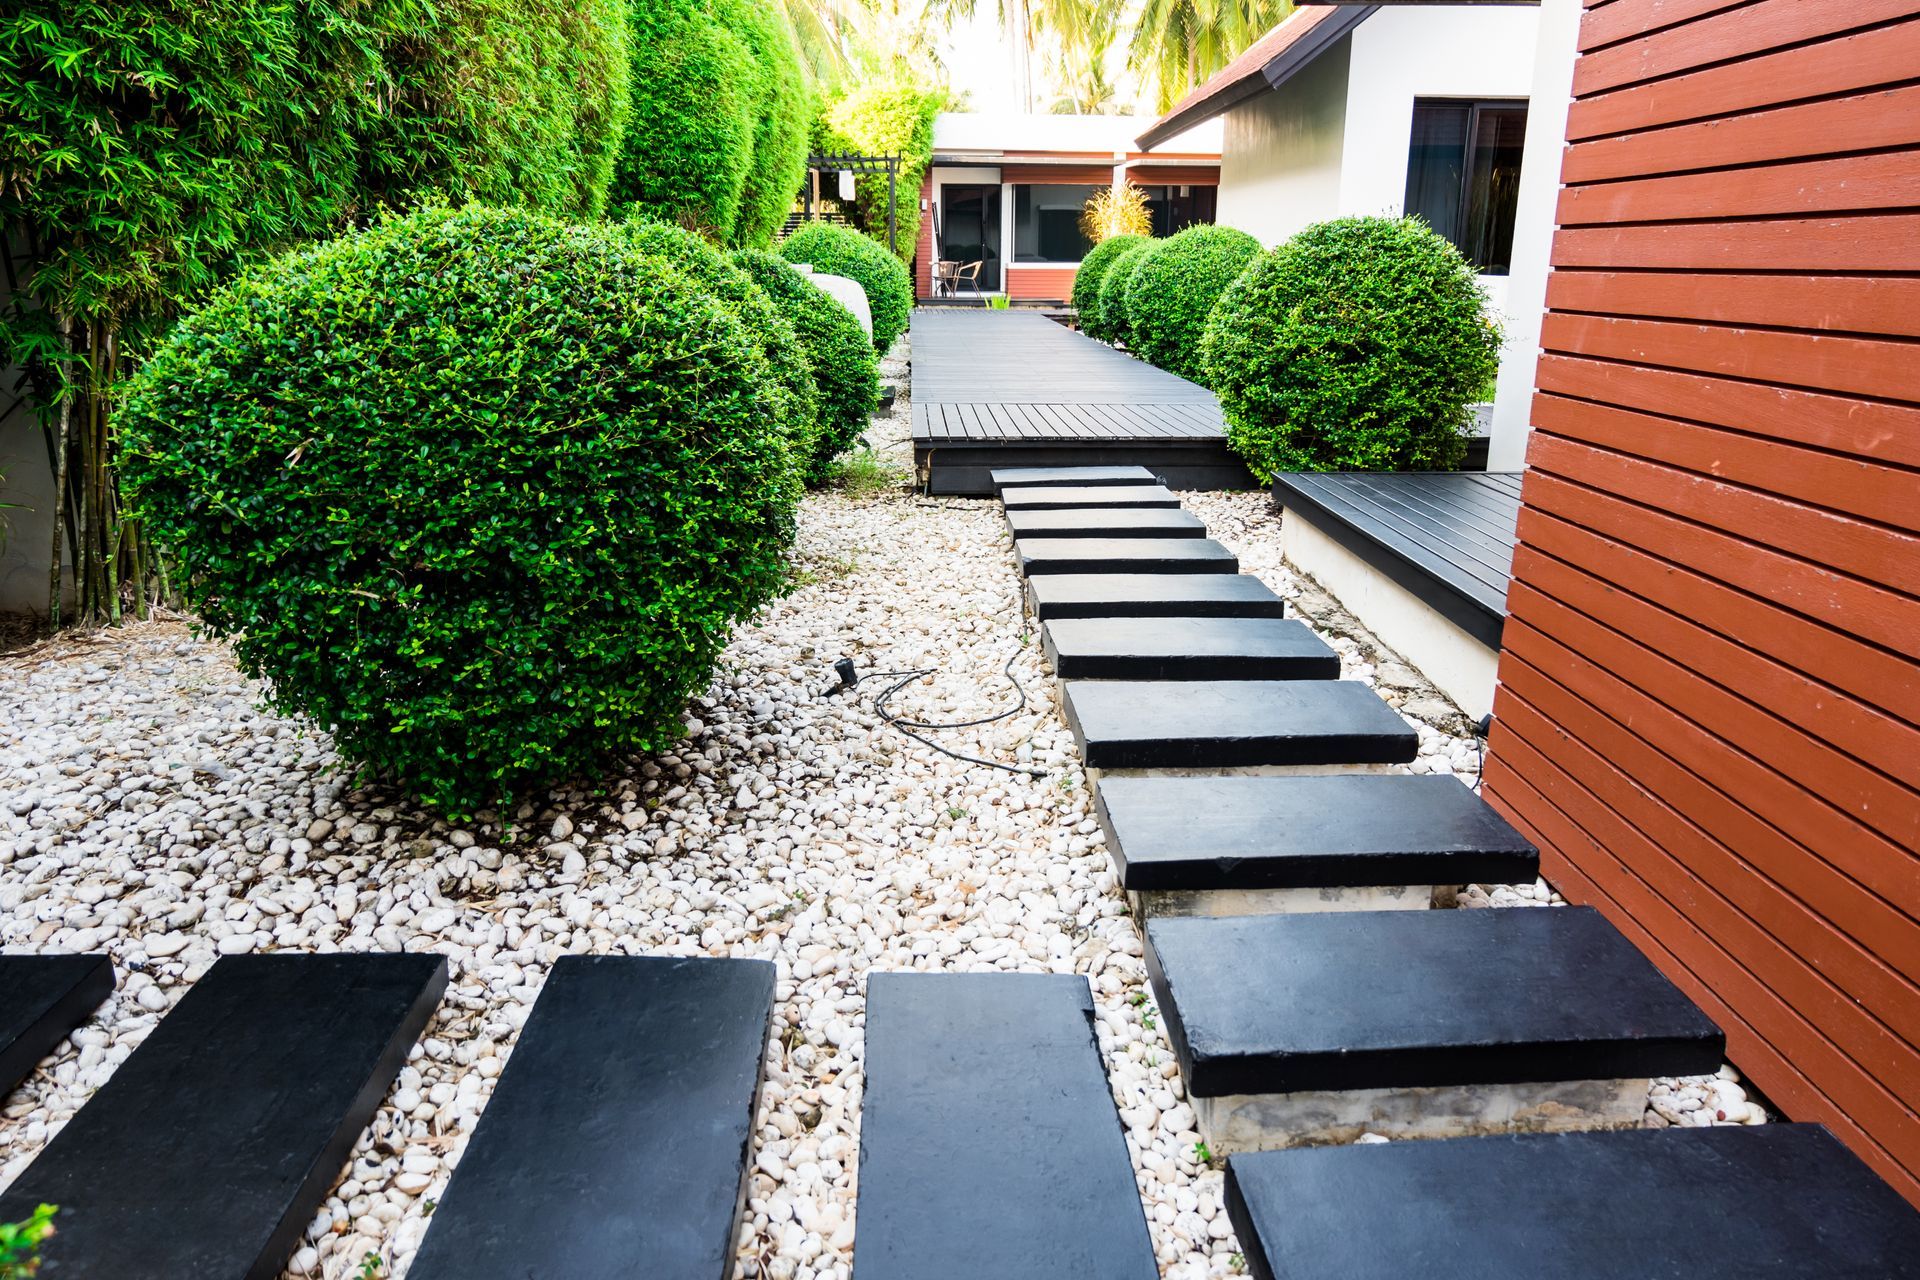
point(1046, 222)
point(1177, 208)
point(1463, 175)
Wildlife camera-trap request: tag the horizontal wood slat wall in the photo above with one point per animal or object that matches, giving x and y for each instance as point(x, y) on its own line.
point(1709, 704)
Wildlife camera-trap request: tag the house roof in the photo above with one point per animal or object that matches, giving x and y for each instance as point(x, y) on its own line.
point(991, 136)
point(1268, 63)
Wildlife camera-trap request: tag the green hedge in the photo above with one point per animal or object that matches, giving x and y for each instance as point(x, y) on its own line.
point(1356, 345)
point(845, 371)
point(1113, 293)
point(1092, 274)
point(792, 389)
point(783, 112)
point(888, 117)
point(477, 490)
point(1173, 289)
point(840, 251)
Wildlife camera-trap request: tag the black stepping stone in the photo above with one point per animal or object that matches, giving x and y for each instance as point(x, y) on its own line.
point(1766, 1202)
point(1151, 595)
point(1392, 999)
point(1077, 477)
point(1307, 832)
point(1188, 649)
point(209, 1150)
point(1123, 555)
point(1062, 497)
point(1217, 724)
point(42, 998)
point(1106, 522)
point(989, 1143)
point(616, 1143)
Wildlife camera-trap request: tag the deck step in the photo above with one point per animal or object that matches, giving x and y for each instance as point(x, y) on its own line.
point(1215, 724)
point(1078, 477)
point(1307, 833)
point(209, 1150)
point(1061, 497)
point(1106, 522)
point(989, 1142)
point(1402, 1003)
point(42, 998)
point(1765, 1202)
point(1151, 595)
point(618, 1140)
point(1123, 555)
point(1188, 649)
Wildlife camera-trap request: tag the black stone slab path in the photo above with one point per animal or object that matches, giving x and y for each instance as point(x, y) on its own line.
point(618, 1139)
point(1151, 595)
point(1106, 522)
point(1306, 832)
point(209, 1150)
point(1187, 649)
point(1063, 497)
point(1219, 724)
point(1766, 1202)
point(1392, 999)
point(1123, 555)
point(42, 998)
point(1004, 477)
point(989, 1141)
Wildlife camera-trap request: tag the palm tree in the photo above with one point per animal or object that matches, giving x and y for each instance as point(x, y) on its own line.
point(1177, 44)
point(1078, 26)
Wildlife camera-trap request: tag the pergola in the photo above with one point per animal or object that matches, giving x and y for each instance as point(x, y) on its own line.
point(889, 165)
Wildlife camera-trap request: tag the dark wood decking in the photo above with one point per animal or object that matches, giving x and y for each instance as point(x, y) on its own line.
point(1446, 536)
point(1012, 388)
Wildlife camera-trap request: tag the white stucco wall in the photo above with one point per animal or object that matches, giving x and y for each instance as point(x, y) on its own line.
point(1559, 30)
point(1281, 152)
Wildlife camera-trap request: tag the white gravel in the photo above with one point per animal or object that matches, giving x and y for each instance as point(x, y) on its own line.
point(151, 811)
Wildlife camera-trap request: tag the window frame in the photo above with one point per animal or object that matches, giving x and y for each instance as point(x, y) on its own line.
point(1467, 156)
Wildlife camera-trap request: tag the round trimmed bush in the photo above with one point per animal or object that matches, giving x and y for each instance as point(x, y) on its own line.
point(475, 489)
point(845, 372)
point(1113, 293)
point(1174, 288)
point(794, 393)
point(1356, 345)
point(1092, 273)
point(842, 251)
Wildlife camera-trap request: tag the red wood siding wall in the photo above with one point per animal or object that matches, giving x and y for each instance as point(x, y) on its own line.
point(1709, 692)
point(1040, 284)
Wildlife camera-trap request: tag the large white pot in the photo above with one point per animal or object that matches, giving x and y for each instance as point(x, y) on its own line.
point(847, 293)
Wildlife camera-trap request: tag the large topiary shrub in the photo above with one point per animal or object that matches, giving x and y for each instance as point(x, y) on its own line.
point(1173, 289)
point(1092, 274)
point(783, 112)
point(1113, 293)
point(1356, 345)
point(842, 252)
point(845, 371)
point(792, 389)
point(478, 490)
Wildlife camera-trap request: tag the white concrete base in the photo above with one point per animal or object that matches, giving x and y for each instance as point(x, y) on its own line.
point(1270, 1121)
point(1147, 903)
point(1459, 665)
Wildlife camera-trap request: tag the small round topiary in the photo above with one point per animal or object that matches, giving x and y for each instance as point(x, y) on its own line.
point(795, 395)
point(1092, 274)
point(1356, 345)
point(1174, 288)
point(844, 368)
point(842, 251)
point(1113, 293)
point(477, 490)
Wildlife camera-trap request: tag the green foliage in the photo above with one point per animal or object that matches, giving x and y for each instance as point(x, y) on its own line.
point(1113, 292)
point(888, 117)
point(839, 251)
point(1174, 288)
point(1356, 345)
point(20, 1243)
point(845, 371)
point(478, 490)
point(784, 112)
point(792, 390)
point(1091, 275)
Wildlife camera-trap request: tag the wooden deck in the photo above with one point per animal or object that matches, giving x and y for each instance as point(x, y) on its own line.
point(1445, 536)
point(1013, 388)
